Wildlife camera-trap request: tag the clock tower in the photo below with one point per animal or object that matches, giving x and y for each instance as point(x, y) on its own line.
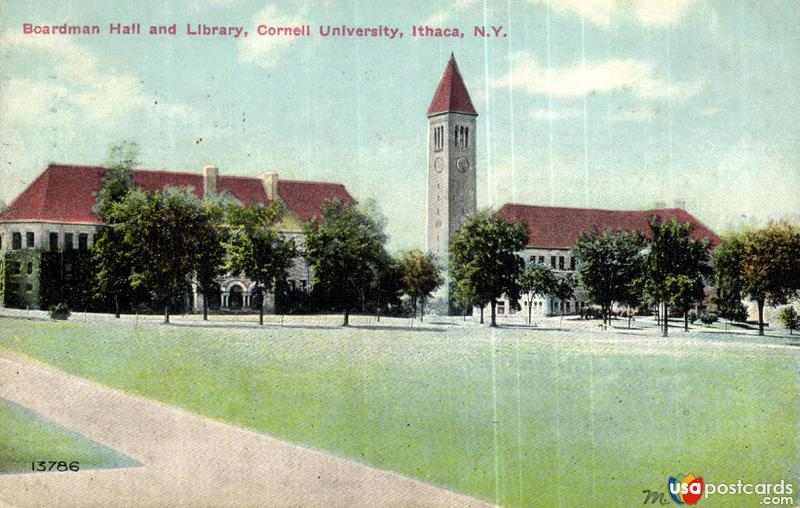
point(451, 162)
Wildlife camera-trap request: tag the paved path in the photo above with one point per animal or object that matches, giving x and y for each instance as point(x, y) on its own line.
point(188, 460)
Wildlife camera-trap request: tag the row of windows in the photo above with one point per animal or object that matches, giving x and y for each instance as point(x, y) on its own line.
point(567, 306)
point(556, 262)
point(460, 136)
point(30, 241)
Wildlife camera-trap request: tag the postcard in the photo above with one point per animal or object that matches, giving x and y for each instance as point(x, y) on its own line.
point(523, 253)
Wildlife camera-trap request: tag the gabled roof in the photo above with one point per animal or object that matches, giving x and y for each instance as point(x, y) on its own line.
point(554, 227)
point(67, 193)
point(451, 94)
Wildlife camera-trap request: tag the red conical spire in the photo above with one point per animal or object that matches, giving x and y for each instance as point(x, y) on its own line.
point(451, 94)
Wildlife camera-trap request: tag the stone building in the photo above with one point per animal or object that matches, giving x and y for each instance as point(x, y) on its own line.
point(553, 232)
point(55, 214)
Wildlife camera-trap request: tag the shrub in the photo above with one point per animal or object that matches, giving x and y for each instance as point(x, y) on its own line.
point(60, 311)
point(693, 316)
point(789, 318)
point(708, 317)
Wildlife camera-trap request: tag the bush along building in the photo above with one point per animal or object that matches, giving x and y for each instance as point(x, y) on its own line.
point(48, 231)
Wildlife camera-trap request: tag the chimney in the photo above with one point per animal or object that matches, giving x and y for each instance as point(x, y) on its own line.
point(680, 203)
point(659, 205)
point(270, 181)
point(210, 180)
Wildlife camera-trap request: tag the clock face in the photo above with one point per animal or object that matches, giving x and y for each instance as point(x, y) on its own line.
point(462, 165)
point(438, 164)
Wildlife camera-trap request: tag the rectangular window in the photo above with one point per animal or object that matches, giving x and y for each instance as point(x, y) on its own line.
point(541, 260)
point(532, 259)
point(572, 263)
point(29, 240)
point(83, 242)
point(16, 241)
point(53, 242)
point(501, 308)
point(68, 241)
point(15, 268)
point(560, 262)
point(28, 287)
point(303, 284)
point(553, 261)
point(567, 306)
point(29, 268)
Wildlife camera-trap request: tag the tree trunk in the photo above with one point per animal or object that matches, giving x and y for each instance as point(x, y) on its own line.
point(666, 320)
point(482, 306)
point(346, 317)
point(630, 315)
point(260, 305)
point(422, 309)
point(760, 303)
point(494, 318)
point(116, 306)
point(414, 306)
point(166, 313)
point(205, 307)
point(686, 320)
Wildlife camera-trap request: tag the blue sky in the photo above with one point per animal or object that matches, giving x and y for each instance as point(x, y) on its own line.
point(601, 103)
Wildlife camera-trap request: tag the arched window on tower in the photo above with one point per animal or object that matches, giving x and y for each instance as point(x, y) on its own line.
point(466, 136)
point(455, 136)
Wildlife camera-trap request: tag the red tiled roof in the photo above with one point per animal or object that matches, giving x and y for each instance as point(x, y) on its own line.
point(553, 227)
point(306, 198)
point(67, 193)
point(451, 94)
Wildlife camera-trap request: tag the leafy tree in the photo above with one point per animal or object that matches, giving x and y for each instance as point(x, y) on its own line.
point(484, 261)
point(536, 280)
point(113, 267)
point(674, 266)
point(118, 178)
point(421, 277)
point(211, 241)
point(343, 247)
point(762, 264)
point(256, 248)
point(563, 289)
point(789, 318)
point(159, 234)
point(609, 267)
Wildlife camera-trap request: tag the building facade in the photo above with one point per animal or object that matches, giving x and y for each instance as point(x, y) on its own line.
point(55, 214)
point(553, 232)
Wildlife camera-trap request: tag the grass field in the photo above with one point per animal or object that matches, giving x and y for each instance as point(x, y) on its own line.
point(26, 437)
point(518, 417)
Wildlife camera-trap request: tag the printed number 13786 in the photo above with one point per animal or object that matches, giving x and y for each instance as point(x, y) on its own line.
point(51, 465)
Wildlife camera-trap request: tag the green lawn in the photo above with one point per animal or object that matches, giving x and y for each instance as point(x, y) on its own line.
point(26, 437)
point(519, 417)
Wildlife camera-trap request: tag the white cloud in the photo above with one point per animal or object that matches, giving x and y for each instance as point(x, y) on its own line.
point(81, 89)
point(444, 16)
point(561, 114)
point(266, 50)
point(635, 115)
point(647, 13)
point(615, 75)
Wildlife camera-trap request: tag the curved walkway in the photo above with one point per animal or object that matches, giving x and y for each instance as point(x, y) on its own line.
point(188, 460)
